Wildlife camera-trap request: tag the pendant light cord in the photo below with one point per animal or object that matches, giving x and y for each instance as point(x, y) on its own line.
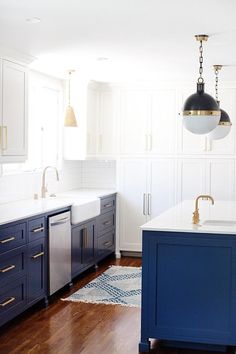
point(200, 79)
point(69, 89)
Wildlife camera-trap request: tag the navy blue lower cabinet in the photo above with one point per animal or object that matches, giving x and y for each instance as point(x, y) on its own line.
point(188, 289)
point(36, 271)
point(82, 247)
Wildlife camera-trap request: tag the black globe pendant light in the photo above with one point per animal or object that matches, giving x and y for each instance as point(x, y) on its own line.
point(201, 113)
point(224, 126)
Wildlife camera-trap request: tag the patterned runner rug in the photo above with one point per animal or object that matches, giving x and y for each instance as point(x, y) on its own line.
point(117, 285)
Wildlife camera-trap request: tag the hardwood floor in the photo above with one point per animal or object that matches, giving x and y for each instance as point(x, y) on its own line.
point(79, 328)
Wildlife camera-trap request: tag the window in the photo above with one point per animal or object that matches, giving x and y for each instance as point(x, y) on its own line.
point(44, 122)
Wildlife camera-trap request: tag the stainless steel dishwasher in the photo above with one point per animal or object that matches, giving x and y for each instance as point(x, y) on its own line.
point(59, 251)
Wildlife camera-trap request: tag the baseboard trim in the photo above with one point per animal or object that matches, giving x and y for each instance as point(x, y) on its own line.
point(131, 254)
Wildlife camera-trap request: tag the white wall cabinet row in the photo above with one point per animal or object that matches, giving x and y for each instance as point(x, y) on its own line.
point(13, 116)
point(128, 122)
point(149, 187)
point(13, 112)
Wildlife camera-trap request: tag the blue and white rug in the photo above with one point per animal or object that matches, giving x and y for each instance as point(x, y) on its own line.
point(117, 285)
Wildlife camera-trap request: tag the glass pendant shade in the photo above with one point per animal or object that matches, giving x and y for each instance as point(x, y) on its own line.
point(70, 120)
point(201, 113)
point(223, 128)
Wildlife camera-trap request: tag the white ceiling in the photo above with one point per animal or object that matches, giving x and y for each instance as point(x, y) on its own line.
point(143, 39)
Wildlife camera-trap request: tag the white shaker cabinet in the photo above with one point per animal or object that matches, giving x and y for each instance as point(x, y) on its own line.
point(146, 190)
point(107, 127)
point(135, 109)
point(132, 194)
point(162, 122)
point(14, 112)
point(220, 178)
point(191, 179)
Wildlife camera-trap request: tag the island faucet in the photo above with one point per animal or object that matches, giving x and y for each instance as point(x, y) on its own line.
point(196, 218)
point(44, 188)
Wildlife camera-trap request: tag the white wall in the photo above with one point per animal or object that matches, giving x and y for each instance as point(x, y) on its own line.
point(25, 185)
point(98, 174)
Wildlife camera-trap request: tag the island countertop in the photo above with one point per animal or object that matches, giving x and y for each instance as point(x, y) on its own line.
point(179, 218)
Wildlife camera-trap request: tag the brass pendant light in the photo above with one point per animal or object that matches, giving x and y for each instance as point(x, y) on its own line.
point(70, 119)
point(224, 126)
point(201, 113)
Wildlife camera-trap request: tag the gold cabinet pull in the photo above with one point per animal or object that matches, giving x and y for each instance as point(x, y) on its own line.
point(107, 222)
point(8, 239)
point(38, 229)
point(4, 146)
point(40, 254)
point(4, 270)
point(7, 302)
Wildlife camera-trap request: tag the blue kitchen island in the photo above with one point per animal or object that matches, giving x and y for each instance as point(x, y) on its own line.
point(189, 278)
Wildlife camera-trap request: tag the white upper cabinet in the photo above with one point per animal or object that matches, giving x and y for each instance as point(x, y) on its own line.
point(107, 128)
point(95, 135)
point(162, 123)
point(14, 112)
point(135, 109)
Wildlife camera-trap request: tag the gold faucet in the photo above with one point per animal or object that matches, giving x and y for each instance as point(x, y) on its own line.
point(196, 218)
point(44, 188)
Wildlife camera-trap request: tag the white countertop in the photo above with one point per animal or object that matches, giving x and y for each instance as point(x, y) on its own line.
point(14, 211)
point(179, 218)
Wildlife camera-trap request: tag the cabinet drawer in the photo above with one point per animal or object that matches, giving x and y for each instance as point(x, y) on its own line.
point(12, 299)
point(13, 264)
point(37, 228)
point(106, 243)
point(105, 222)
point(12, 237)
point(107, 204)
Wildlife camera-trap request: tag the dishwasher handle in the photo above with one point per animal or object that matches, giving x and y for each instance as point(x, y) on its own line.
point(60, 221)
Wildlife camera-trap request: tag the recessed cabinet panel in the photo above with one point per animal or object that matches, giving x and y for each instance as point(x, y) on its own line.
point(14, 108)
point(162, 186)
point(133, 203)
point(191, 179)
point(107, 129)
point(164, 115)
point(221, 179)
point(135, 108)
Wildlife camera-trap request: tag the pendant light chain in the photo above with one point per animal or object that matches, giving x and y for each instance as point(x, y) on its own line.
point(200, 79)
point(216, 84)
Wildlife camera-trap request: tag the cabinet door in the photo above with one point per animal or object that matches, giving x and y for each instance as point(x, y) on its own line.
point(191, 180)
point(76, 250)
point(107, 128)
point(134, 115)
point(133, 204)
point(36, 270)
point(14, 120)
point(83, 247)
point(88, 242)
point(162, 186)
point(92, 121)
point(221, 179)
point(163, 121)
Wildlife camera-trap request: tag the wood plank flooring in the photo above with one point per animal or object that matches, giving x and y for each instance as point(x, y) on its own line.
point(79, 328)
